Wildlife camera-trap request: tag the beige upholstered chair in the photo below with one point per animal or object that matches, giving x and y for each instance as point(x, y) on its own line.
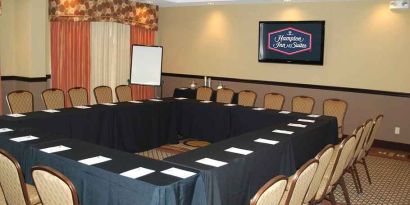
point(53, 98)
point(15, 190)
point(299, 183)
point(246, 98)
point(20, 101)
point(204, 93)
point(303, 104)
point(78, 96)
point(271, 193)
point(124, 93)
point(53, 187)
point(324, 158)
point(372, 137)
point(224, 95)
point(351, 168)
point(2, 199)
point(103, 94)
point(274, 101)
point(336, 108)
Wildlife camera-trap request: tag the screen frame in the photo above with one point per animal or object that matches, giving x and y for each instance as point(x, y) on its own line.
point(162, 62)
point(302, 62)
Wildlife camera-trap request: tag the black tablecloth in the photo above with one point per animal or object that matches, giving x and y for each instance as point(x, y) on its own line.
point(191, 94)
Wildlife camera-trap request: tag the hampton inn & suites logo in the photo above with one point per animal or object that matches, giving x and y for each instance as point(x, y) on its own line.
point(289, 41)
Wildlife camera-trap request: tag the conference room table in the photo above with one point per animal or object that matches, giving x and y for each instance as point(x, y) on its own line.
point(234, 181)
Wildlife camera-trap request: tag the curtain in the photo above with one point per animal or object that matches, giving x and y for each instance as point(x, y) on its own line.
point(1, 97)
point(70, 55)
point(142, 36)
point(110, 54)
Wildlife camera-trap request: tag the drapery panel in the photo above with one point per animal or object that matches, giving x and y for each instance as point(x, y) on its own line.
point(1, 96)
point(110, 54)
point(70, 55)
point(122, 11)
point(142, 36)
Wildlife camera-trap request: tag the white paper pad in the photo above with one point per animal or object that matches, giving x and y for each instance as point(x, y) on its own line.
point(284, 112)
point(286, 132)
point(206, 101)
point(314, 116)
point(5, 130)
point(51, 111)
point(137, 172)
point(55, 149)
point(16, 115)
point(297, 125)
point(266, 141)
point(178, 172)
point(239, 151)
point(182, 88)
point(305, 120)
point(24, 138)
point(108, 104)
point(230, 105)
point(134, 101)
point(82, 107)
point(155, 100)
point(211, 162)
point(258, 108)
point(94, 160)
point(181, 98)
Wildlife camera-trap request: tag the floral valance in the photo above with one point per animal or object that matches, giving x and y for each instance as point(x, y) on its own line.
point(122, 11)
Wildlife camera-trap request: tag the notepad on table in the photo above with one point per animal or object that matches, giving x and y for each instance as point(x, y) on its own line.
point(2, 130)
point(135, 101)
point(51, 111)
point(230, 105)
point(108, 104)
point(284, 112)
point(82, 107)
point(180, 173)
point(258, 108)
point(181, 98)
point(211, 162)
point(297, 125)
point(24, 138)
point(286, 132)
point(306, 120)
point(94, 160)
point(183, 88)
point(205, 101)
point(238, 151)
point(314, 116)
point(55, 149)
point(16, 115)
point(137, 172)
point(266, 141)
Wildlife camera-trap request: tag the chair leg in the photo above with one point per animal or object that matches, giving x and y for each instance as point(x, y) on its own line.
point(358, 178)
point(332, 198)
point(352, 172)
point(344, 189)
point(367, 171)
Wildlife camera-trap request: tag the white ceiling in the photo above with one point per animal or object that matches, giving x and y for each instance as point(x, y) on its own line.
point(176, 3)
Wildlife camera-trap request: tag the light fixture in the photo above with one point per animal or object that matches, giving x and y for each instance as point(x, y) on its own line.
point(399, 4)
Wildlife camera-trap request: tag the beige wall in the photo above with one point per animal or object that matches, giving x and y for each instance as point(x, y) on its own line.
point(24, 38)
point(366, 43)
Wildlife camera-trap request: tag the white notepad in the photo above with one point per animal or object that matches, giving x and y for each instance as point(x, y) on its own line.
point(94, 160)
point(211, 162)
point(180, 173)
point(55, 149)
point(108, 104)
point(230, 105)
point(51, 111)
point(182, 88)
point(314, 116)
point(286, 132)
point(137, 172)
point(297, 125)
point(82, 107)
point(181, 98)
point(306, 120)
point(155, 100)
point(258, 108)
point(2, 130)
point(24, 138)
point(16, 115)
point(284, 112)
point(135, 101)
point(205, 101)
point(266, 141)
point(238, 151)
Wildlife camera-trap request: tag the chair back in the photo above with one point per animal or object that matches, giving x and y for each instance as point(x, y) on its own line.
point(324, 158)
point(124, 93)
point(247, 98)
point(271, 193)
point(53, 98)
point(368, 126)
point(20, 101)
point(303, 104)
point(274, 101)
point(301, 182)
point(204, 93)
point(12, 181)
point(78, 96)
point(342, 162)
point(2, 199)
point(358, 132)
point(53, 187)
point(376, 125)
point(336, 108)
point(224, 95)
point(103, 94)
